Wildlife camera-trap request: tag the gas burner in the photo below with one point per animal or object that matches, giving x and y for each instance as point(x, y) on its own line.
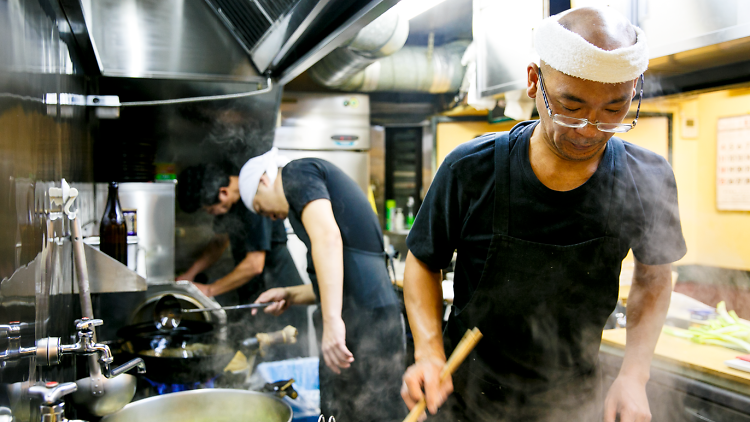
point(150, 388)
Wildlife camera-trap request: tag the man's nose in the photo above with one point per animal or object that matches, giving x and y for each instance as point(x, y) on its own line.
point(589, 131)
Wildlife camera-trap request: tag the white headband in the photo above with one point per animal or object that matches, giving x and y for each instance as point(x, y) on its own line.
point(252, 171)
point(571, 54)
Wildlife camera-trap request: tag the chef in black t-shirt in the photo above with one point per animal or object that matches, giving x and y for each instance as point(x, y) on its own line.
point(359, 321)
point(541, 218)
point(258, 246)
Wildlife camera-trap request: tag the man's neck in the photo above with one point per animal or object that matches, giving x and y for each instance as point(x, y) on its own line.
point(555, 172)
point(278, 187)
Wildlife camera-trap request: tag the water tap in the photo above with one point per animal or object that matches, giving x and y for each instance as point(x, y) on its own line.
point(51, 395)
point(50, 350)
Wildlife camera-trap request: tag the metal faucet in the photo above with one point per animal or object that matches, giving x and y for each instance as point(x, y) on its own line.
point(14, 351)
point(49, 351)
point(51, 394)
point(86, 344)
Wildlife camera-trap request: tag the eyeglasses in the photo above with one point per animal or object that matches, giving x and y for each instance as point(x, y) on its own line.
point(579, 123)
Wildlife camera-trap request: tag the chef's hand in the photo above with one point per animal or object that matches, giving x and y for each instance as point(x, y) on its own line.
point(425, 373)
point(204, 288)
point(335, 353)
point(627, 397)
point(280, 298)
point(185, 276)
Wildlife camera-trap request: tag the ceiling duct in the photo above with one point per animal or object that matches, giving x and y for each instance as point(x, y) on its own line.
point(384, 36)
point(413, 69)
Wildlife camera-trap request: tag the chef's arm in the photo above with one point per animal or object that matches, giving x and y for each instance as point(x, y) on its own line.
point(213, 251)
point(327, 254)
point(246, 270)
point(327, 249)
point(423, 297)
point(648, 302)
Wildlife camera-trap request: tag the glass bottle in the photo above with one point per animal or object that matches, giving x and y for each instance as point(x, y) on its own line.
point(113, 232)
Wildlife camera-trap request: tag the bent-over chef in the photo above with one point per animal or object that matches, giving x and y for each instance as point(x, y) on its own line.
point(258, 246)
point(362, 336)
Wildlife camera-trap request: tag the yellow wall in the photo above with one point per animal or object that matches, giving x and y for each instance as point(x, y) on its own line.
point(714, 238)
point(451, 135)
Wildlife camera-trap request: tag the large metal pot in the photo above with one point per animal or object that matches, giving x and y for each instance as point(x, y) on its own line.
point(210, 405)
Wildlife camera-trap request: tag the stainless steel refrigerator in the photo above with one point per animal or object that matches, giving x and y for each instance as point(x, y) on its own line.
point(332, 127)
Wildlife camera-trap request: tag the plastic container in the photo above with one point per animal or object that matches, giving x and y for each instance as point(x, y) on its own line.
point(390, 209)
point(398, 220)
point(306, 406)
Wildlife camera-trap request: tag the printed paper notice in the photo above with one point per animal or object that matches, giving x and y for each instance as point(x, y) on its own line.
point(733, 164)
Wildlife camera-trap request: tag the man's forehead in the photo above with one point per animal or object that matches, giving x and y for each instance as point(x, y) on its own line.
point(602, 27)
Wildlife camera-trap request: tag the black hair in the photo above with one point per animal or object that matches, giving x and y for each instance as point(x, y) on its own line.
point(198, 186)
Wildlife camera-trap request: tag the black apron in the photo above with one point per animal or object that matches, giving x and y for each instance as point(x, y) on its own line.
point(542, 309)
point(367, 284)
point(368, 391)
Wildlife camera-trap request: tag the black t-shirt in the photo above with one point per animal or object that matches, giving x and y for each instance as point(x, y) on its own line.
point(308, 179)
point(249, 232)
point(457, 212)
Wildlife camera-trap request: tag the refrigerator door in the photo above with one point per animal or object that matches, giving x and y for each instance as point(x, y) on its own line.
point(324, 122)
point(356, 164)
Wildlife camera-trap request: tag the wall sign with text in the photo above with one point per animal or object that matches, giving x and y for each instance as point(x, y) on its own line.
point(733, 164)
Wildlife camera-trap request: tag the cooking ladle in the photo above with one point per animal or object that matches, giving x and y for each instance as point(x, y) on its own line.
point(99, 394)
point(168, 311)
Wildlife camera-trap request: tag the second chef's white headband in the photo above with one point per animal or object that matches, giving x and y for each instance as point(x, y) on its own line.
point(571, 54)
point(254, 169)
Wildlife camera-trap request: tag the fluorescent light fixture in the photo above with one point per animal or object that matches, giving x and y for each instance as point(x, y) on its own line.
point(409, 9)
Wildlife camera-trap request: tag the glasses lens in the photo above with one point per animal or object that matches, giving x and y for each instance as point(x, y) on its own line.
point(569, 121)
point(614, 127)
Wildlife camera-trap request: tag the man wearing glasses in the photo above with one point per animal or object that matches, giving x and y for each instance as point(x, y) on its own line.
point(541, 218)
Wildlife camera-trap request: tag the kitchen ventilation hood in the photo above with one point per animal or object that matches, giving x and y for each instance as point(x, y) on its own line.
point(694, 44)
point(212, 40)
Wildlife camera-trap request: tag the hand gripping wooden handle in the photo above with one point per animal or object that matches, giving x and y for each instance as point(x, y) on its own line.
point(464, 347)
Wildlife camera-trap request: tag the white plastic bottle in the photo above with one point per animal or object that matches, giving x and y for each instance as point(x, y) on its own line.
point(399, 220)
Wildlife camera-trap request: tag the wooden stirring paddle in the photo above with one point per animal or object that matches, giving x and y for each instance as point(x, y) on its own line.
point(464, 347)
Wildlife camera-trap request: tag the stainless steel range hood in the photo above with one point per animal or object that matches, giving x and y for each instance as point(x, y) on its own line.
point(212, 40)
point(174, 39)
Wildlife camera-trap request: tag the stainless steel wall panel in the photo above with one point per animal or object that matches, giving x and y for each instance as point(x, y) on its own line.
point(503, 33)
point(38, 147)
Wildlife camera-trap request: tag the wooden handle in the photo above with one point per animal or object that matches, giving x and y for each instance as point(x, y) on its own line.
point(464, 347)
point(288, 335)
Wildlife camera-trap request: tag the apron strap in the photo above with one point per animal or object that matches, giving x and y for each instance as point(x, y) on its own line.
point(617, 196)
point(501, 220)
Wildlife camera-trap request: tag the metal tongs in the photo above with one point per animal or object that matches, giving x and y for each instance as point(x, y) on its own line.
point(168, 311)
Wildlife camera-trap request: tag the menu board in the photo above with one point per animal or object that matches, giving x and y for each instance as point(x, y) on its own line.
point(733, 164)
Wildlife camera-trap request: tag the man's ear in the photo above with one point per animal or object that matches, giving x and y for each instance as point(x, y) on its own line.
point(532, 80)
point(223, 193)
